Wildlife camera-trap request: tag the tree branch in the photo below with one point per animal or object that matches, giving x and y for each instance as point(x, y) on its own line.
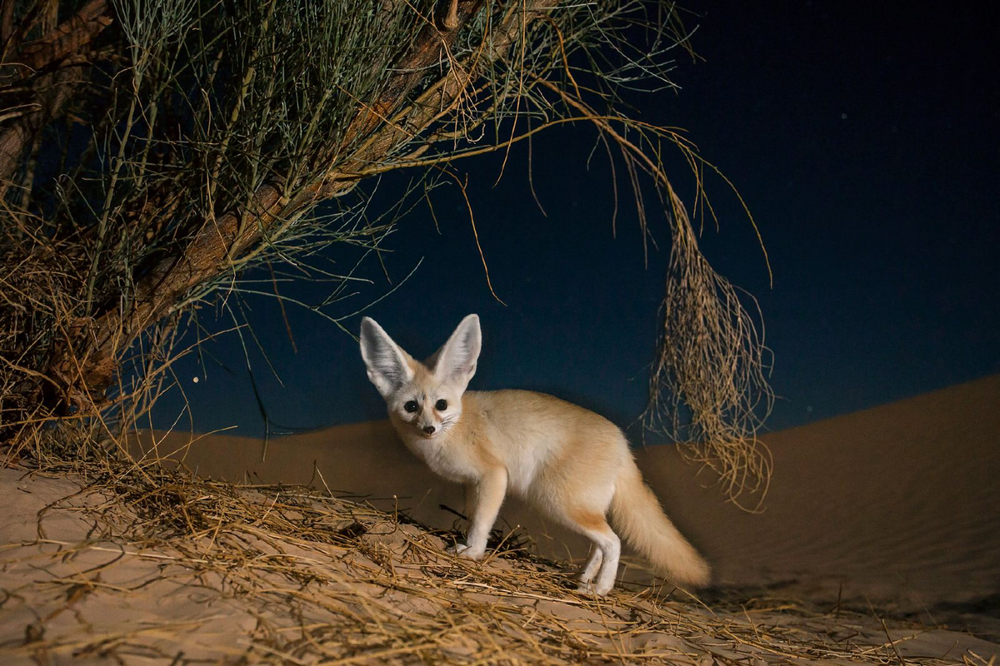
point(221, 244)
point(65, 39)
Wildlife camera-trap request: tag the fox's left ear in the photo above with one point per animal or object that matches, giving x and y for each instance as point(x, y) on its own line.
point(456, 361)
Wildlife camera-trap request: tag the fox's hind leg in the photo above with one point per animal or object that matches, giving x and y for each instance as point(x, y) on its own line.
point(576, 490)
point(607, 549)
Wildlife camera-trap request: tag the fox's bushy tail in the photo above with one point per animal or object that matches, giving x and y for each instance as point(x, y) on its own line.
point(637, 515)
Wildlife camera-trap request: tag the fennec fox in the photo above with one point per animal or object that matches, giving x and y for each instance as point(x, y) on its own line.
point(567, 461)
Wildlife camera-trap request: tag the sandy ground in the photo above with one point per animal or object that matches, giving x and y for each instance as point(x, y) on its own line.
point(878, 524)
point(305, 579)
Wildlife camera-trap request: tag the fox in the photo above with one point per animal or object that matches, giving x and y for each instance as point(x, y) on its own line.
point(569, 463)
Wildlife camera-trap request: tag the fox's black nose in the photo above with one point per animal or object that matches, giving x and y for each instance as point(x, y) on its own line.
point(429, 430)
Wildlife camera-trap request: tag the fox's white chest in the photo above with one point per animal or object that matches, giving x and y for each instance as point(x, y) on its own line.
point(444, 458)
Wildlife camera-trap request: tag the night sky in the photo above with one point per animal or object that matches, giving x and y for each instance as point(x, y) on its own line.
point(864, 137)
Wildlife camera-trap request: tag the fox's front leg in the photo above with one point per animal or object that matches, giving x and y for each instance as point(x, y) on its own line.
point(487, 497)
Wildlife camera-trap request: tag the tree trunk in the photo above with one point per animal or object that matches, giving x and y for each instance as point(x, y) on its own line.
point(50, 89)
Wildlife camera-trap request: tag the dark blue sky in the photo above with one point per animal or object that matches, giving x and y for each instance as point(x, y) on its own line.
point(867, 145)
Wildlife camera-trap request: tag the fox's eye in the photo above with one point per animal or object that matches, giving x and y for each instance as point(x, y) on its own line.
point(411, 406)
point(441, 405)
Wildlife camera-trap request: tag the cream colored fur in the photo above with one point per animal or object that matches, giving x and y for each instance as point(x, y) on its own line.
point(570, 463)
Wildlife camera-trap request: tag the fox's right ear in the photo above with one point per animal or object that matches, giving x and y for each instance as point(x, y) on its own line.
point(387, 363)
point(456, 361)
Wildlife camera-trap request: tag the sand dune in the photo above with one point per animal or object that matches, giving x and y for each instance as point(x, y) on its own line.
point(899, 504)
point(896, 506)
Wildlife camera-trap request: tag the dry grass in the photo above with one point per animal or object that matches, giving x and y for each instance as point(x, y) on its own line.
point(172, 567)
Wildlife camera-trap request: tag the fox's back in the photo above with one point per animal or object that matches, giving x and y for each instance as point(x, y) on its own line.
point(535, 434)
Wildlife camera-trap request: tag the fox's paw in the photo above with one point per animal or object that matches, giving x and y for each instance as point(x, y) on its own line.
point(466, 551)
point(591, 588)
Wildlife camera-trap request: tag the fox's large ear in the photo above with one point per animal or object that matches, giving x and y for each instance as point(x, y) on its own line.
point(387, 362)
point(456, 361)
